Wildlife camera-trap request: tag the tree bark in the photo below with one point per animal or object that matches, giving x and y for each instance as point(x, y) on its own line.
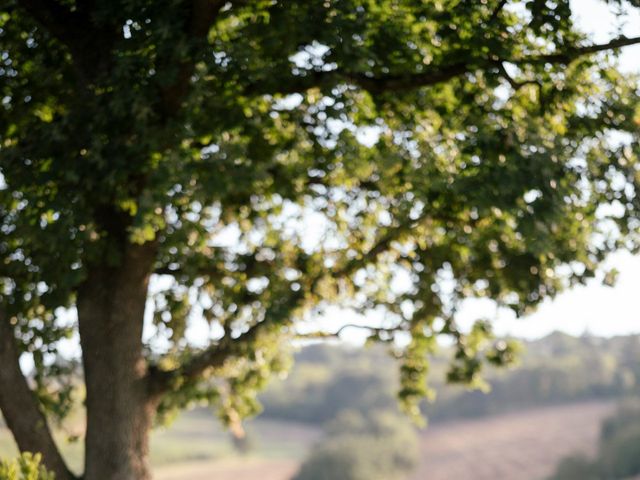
point(20, 408)
point(111, 303)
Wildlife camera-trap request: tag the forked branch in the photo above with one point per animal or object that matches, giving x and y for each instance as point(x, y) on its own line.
point(20, 407)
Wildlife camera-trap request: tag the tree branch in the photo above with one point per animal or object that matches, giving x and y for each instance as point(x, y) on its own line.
point(319, 79)
point(398, 83)
point(496, 11)
point(517, 85)
point(212, 357)
point(383, 243)
point(337, 333)
point(408, 82)
point(73, 29)
point(571, 54)
point(216, 355)
point(203, 15)
point(61, 22)
point(20, 408)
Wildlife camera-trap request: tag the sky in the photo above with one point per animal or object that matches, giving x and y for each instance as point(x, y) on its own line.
point(594, 308)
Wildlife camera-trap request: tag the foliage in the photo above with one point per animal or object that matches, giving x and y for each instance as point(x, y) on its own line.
point(358, 447)
point(620, 456)
point(25, 467)
point(619, 452)
point(277, 158)
point(576, 467)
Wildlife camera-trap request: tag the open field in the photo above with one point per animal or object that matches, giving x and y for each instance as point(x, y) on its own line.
point(231, 469)
point(196, 440)
point(523, 446)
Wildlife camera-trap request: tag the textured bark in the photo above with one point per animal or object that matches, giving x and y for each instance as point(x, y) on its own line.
point(20, 407)
point(111, 306)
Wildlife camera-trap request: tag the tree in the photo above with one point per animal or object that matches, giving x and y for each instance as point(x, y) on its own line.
point(377, 445)
point(258, 161)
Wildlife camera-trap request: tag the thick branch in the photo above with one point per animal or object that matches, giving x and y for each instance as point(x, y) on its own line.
point(408, 82)
point(207, 267)
point(398, 83)
point(571, 54)
point(20, 407)
point(87, 43)
point(496, 11)
point(319, 79)
point(57, 19)
point(213, 357)
point(203, 14)
point(516, 84)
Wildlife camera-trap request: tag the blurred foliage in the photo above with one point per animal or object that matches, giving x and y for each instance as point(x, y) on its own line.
point(282, 157)
point(374, 446)
point(576, 467)
point(556, 369)
point(618, 454)
point(25, 467)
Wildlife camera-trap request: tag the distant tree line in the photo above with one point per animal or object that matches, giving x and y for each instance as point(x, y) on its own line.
point(556, 369)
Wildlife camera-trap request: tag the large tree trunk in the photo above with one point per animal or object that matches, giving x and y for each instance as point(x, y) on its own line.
point(20, 407)
point(111, 305)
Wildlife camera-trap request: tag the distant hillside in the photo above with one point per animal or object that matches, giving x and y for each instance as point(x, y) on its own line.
point(553, 370)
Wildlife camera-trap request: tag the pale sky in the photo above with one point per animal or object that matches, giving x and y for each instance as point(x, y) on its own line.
point(600, 310)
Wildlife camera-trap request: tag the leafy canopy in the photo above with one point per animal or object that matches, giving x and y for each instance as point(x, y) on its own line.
point(284, 156)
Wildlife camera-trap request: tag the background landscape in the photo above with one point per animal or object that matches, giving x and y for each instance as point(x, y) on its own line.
point(548, 407)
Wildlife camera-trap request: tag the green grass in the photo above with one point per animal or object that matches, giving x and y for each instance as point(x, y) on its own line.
point(194, 436)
